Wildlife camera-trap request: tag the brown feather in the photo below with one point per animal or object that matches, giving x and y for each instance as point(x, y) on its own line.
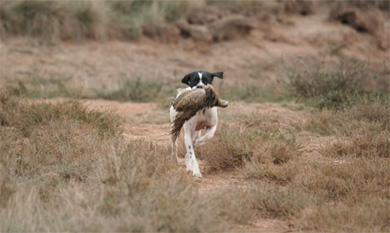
point(190, 102)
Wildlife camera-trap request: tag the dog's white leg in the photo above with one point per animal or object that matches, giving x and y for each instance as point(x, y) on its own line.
point(210, 131)
point(196, 135)
point(191, 163)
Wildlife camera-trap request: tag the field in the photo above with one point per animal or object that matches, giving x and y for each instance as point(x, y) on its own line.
point(85, 88)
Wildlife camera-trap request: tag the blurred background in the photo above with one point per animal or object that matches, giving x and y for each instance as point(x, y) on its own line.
point(139, 50)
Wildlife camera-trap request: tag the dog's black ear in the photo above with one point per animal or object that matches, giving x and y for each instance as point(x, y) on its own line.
point(186, 79)
point(218, 74)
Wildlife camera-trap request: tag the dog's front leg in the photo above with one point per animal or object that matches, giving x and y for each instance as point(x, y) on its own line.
point(191, 162)
point(210, 131)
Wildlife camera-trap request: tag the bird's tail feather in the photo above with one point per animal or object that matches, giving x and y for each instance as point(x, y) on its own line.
point(177, 124)
point(179, 121)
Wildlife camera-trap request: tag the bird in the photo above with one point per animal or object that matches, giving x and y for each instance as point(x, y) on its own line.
point(190, 102)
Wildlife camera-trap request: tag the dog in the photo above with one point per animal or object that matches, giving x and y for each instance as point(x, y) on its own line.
point(206, 118)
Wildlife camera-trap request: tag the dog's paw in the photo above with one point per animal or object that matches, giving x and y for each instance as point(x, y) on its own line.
point(197, 174)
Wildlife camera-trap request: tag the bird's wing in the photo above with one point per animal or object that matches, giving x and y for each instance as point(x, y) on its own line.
point(188, 100)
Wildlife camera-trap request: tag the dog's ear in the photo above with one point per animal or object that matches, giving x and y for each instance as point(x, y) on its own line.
point(186, 79)
point(217, 74)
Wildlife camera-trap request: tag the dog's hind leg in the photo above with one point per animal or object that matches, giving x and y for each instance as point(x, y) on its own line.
point(210, 131)
point(196, 135)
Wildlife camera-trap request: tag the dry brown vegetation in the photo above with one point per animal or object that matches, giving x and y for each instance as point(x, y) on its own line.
point(303, 146)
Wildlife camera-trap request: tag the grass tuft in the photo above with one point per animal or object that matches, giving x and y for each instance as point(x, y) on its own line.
point(329, 89)
point(26, 117)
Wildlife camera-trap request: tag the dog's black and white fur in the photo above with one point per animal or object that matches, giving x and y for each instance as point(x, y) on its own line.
point(203, 119)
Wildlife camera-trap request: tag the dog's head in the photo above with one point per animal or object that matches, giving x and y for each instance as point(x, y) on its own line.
point(200, 78)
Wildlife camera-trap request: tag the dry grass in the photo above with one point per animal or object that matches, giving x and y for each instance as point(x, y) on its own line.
point(365, 116)
point(348, 181)
point(64, 168)
point(25, 116)
point(252, 153)
point(60, 171)
point(342, 188)
point(325, 87)
point(53, 21)
point(230, 147)
point(369, 146)
point(370, 215)
point(50, 21)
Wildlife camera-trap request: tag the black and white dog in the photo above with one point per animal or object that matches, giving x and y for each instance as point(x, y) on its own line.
point(203, 119)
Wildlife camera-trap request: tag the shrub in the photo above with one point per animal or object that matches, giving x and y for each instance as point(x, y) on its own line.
point(349, 181)
point(25, 116)
point(370, 215)
point(327, 89)
point(371, 145)
point(365, 116)
point(229, 148)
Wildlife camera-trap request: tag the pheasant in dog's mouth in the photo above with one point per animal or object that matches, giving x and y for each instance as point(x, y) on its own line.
point(190, 102)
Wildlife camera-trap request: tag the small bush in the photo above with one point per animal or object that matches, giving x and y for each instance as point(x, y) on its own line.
point(348, 181)
point(364, 117)
point(369, 146)
point(278, 174)
point(276, 202)
point(228, 149)
point(370, 215)
point(273, 161)
point(263, 200)
point(327, 89)
point(26, 116)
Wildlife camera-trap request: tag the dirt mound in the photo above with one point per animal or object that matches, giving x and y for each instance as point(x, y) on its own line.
point(163, 32)
point(303, 7)
point(370, 21)
point(363, 20)
point(232, 27)
point(204, 16)
point(196, 32)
